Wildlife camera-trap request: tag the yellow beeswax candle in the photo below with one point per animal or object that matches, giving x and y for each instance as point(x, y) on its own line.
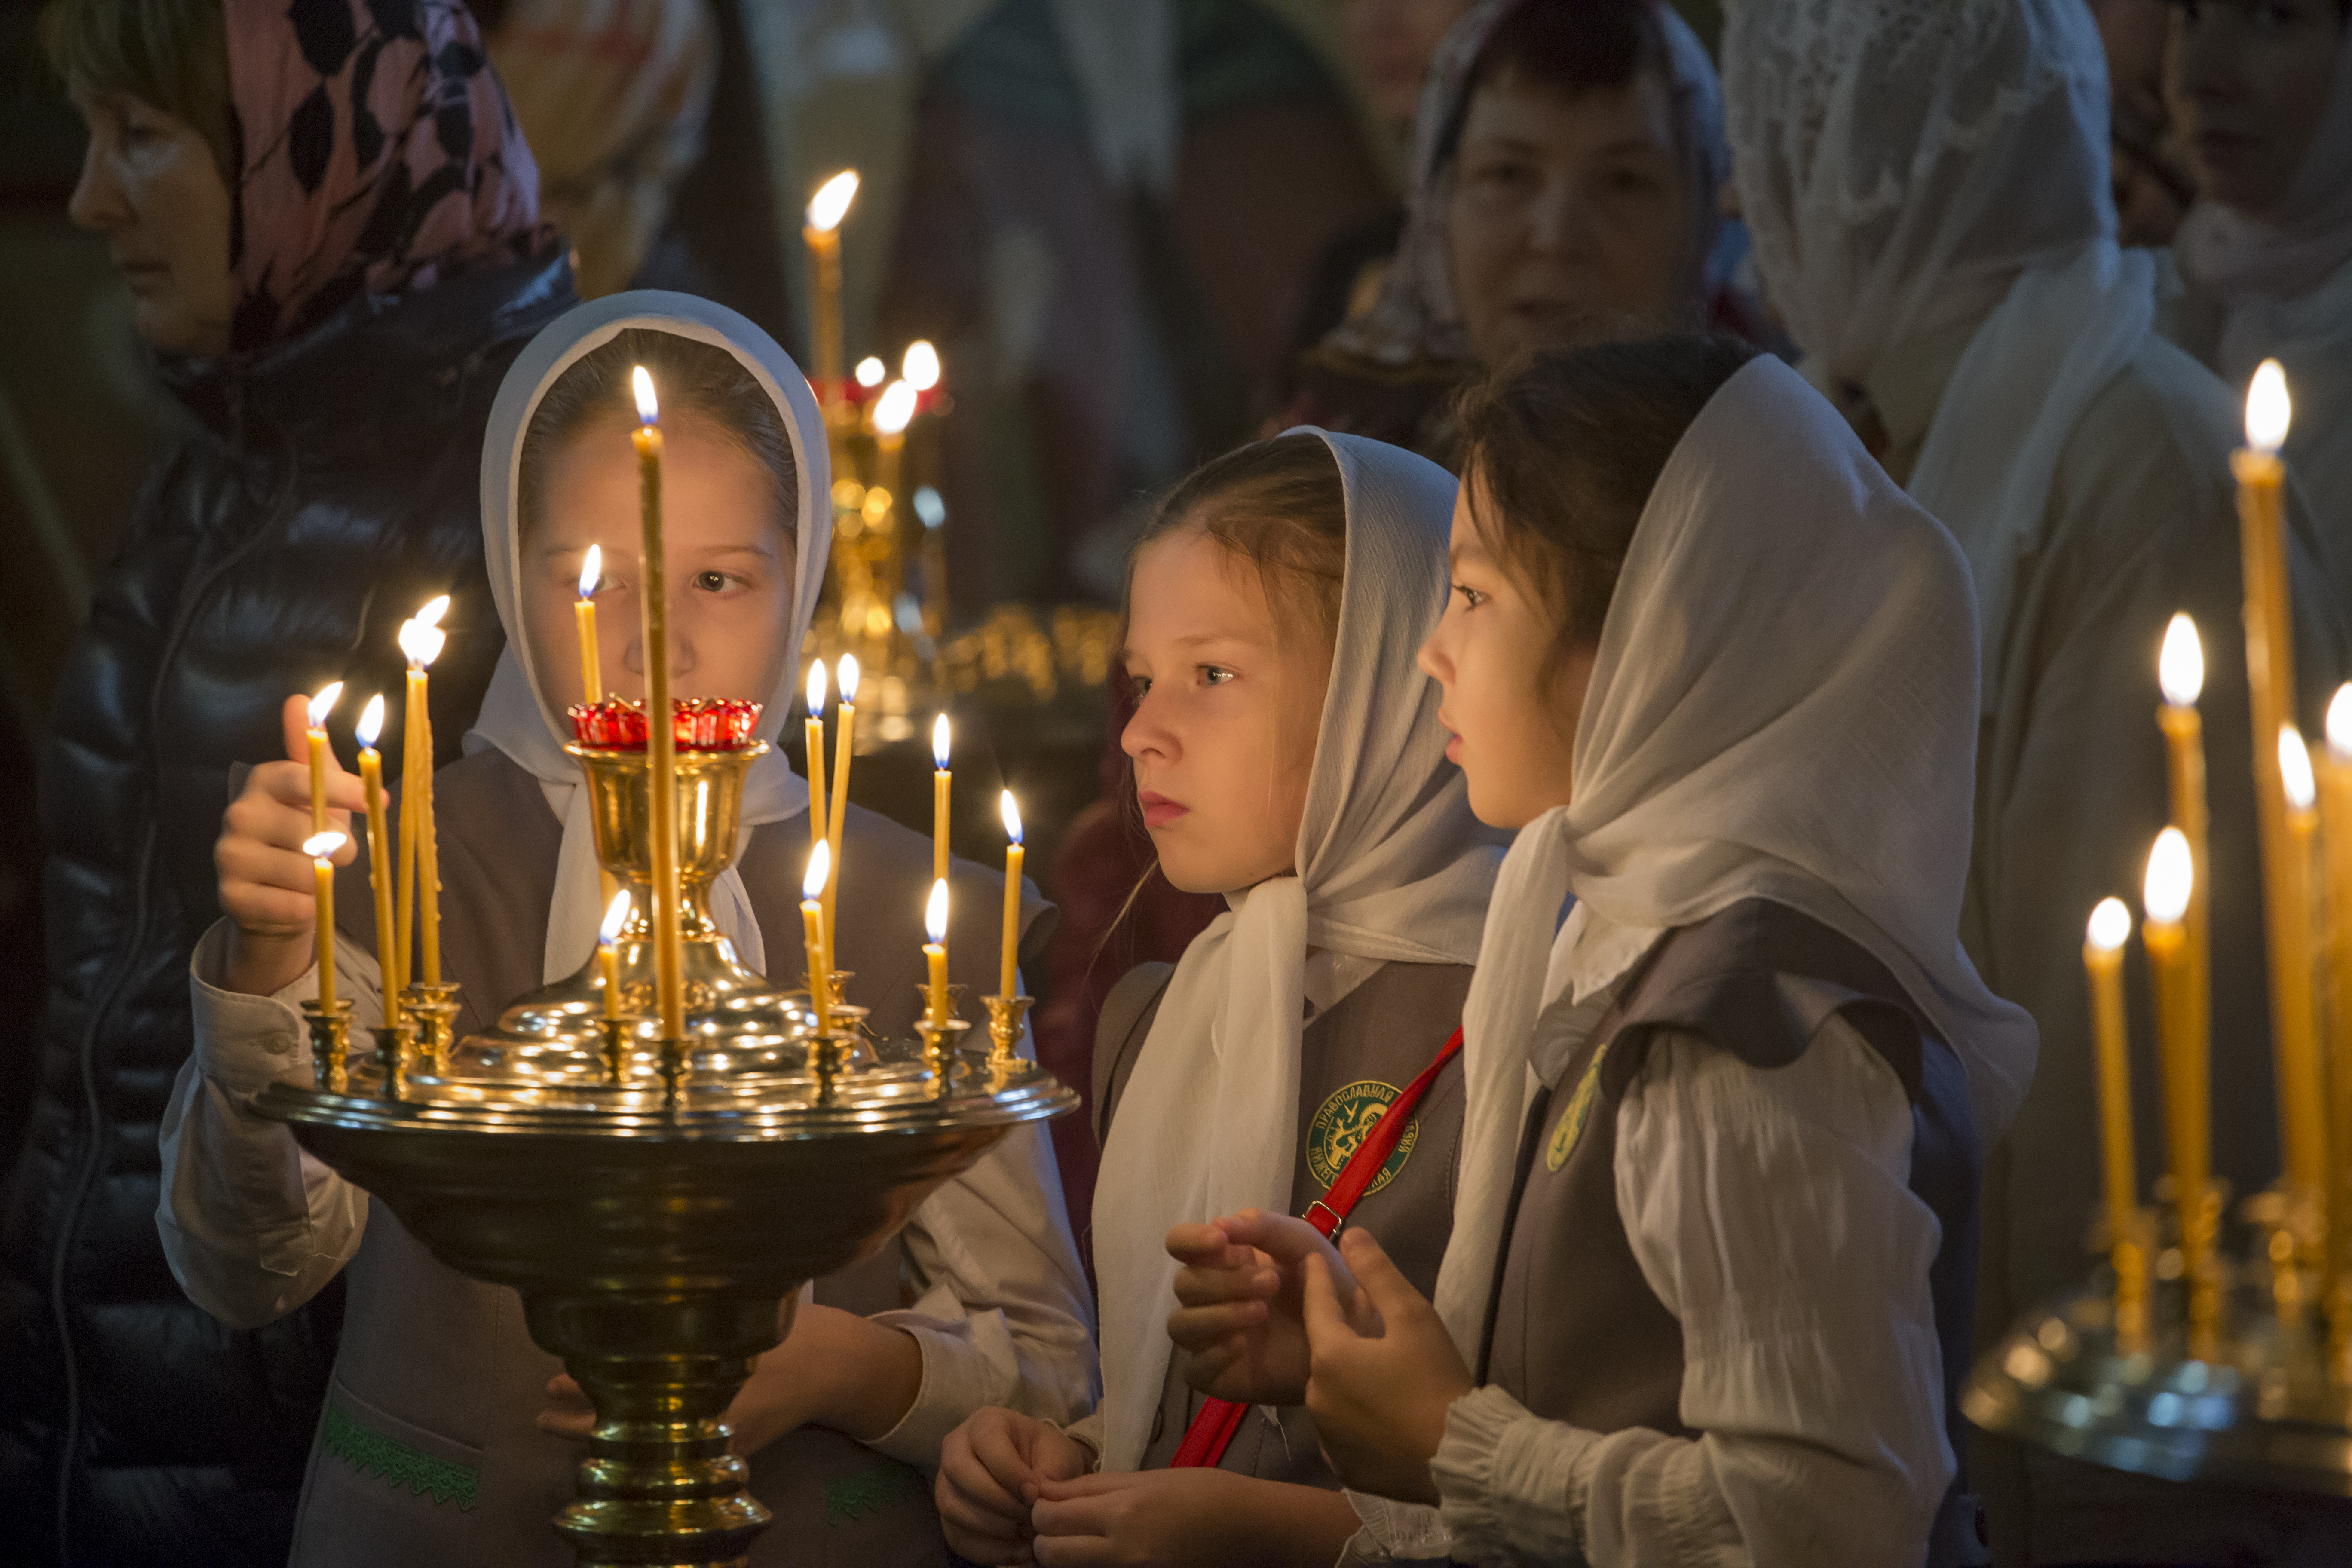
point(1008, 977)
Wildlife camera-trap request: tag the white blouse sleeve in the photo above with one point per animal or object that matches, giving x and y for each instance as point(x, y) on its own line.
point(1005, 1317)
point(1771, 1211)
point(252, 1225)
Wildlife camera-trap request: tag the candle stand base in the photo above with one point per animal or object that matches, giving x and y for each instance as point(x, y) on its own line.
point(2260, 1412)
point(1005, 1015)
point(331, 1042)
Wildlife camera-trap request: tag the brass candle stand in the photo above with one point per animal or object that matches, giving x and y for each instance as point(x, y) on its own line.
point(2226, 1374)
point(1005, 1015)
point(656, 1202)
point(331, 1042)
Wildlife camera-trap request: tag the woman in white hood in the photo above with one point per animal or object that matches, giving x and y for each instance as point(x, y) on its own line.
point(445, 1436)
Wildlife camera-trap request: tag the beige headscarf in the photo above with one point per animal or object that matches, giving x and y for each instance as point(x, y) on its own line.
point(1783, 707)
point(1392, 865)
point(517, 720)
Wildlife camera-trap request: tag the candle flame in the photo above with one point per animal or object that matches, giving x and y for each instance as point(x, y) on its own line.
point(820, 868)
point(2180, 668)
point(591, 571)
point(894, 409)
point(2339, 723)
point(845, 677)
point(2294, 768)
point(2110, 925)
point(816, 688)
point(324, 702)
point(870, 371)
point(831, 203)
point(921, 365)
point(370, 722)
point(1012, 810)
point(649, 410)
point(2171, 874)
point(422, 641)
point(940, 740)
point(322, 845)
point(433, 610)
point(935, 913)
point(617, 919)
point(2268, 408)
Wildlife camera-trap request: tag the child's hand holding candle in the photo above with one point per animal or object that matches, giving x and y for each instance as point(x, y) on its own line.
point(269, 887)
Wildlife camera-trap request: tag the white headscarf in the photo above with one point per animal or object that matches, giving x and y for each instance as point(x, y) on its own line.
point(1392, 865)
point(2310, 237)
point(1783, 707)
point(517, 720)
point(1906, 166)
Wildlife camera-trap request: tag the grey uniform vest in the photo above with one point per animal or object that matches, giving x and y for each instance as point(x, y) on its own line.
point(1353, 1060)
point(1574, 1331)
point(428, 1451)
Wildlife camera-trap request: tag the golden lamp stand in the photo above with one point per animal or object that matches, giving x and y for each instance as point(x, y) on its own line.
point(657, 1203)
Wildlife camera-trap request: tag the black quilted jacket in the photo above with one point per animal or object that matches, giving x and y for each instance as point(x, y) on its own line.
point(332, 490)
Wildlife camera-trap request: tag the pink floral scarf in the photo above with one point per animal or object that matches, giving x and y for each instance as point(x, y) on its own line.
point(376, 152)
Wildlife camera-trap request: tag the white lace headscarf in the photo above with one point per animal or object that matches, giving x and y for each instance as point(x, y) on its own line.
point(1782, 706)
point(1415, 321)
point(1906, 165)
point(518, 720)
point(1392, 865)
point(2308, 239)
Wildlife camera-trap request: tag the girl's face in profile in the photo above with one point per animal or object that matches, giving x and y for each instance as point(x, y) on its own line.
point(1227, 714)
point(1513, 711)
point(729, 563)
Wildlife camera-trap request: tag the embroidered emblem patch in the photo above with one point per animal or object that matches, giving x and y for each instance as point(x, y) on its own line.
point(1571, 1120)
point(1346, 1119)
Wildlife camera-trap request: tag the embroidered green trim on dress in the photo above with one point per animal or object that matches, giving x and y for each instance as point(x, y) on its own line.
point(379, 1454)
point(870, 1491)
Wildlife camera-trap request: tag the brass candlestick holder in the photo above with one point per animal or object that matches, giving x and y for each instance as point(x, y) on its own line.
point(1005, 1015)
point(659, 1225)
point(331, 1042)
point(432, 1014)
point(943, 1039)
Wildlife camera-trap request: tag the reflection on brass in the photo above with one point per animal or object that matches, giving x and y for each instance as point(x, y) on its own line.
point(1004, 1017)
point(655, 1223)
point(432, 1014)
point(331, 1042)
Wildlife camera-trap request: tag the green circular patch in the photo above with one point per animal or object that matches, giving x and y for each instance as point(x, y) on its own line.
point(1345, 1121)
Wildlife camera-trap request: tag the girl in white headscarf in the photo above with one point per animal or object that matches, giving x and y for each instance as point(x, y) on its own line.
point(2265, 99)
point(446, 1434)
point(1287, 755)
point(1927, 184)
point(1711, 1243)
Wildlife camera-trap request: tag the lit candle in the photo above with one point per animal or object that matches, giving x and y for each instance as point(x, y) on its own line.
point(421, 638)
point(814, 887)
point(2181, 674)
point(2335, 814)
point(2103, 959)
point(844, 727)
point(920, 367)
point(823, 237)
point(583, 610)
point(935, 926)
point(870, 371)
point(941, 779)
point(2302, 1102)
point(321, 847)
point(321, 706)
point(661, 726)
point(812, 736)
point(1007, 979)
point(2184, 1068)
point(608, 950)
point(892, 410)
point(379, 826)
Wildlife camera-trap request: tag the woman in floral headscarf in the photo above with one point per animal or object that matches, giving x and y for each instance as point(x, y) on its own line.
point(328, 223)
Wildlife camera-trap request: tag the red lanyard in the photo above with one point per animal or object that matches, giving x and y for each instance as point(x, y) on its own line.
point(1212, 1429)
